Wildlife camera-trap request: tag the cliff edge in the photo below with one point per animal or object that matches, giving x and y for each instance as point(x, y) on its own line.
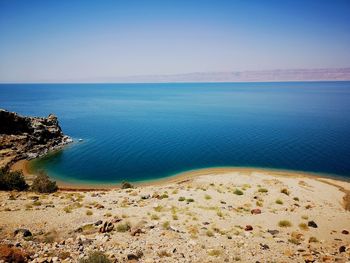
point(28, 137)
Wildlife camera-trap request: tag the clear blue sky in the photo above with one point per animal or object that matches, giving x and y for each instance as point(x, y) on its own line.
point(63, 40)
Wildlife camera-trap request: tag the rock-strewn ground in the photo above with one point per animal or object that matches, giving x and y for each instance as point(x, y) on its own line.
point(28, 137)
point(253, 216)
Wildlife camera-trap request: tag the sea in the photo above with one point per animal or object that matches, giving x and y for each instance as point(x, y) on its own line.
point(141, 132)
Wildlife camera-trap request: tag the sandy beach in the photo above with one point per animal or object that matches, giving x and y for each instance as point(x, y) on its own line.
point(212, 215)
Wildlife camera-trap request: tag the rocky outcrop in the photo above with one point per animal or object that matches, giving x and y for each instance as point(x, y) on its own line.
point(28, 137)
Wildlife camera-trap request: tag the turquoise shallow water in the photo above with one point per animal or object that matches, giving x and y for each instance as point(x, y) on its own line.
point(139, 132)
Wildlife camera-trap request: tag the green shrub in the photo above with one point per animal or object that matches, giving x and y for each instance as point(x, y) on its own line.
point(238, 192)
point(126, 185)
point(279, 202)
point(96, 257)
point(12, 180)
point(42, 184)
point(263, 190)
point(284, 223)
point(123, 227)
point(181, 198)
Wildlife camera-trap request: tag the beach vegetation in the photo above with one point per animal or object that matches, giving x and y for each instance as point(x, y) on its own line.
point(95, 257)
point(313, 240)
point(42, 184)
point(37, 203)
point(89, 213)
point(126, 185)
point(165, 195)
point(166, 225)
point(238, 192)
point(154, 217)
point(279, 202)
point(305, 217)
point(123, 227)
point(209, 233)
point(207, 197)
point(12, 180)
point(175, 217)
point(181, 199)
point(296, 199)
point(262, 190)
point(190, 200)
point(259, 203)
point(284, 223)
point(303, 226)
point(158, 208)
point(214, 252)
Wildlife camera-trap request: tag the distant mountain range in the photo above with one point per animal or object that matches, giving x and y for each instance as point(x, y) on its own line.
point(246, 76)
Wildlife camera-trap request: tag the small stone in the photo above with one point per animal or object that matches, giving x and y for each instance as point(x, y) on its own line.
point(345, 232)
point(255, 211)
point(99, 222)
point(312, 224)
point(273, 232)
point(264, 246)
point(248, 228)
point(342, 249)
point(147, 196)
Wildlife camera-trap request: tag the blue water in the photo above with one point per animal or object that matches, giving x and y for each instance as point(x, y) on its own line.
point(145, 131)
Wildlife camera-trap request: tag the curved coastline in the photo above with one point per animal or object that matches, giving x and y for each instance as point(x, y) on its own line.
point(24, 166)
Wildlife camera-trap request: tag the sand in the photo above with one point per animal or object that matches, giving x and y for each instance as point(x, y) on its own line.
point(214, 222)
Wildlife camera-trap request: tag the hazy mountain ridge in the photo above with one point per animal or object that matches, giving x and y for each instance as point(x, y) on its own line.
point(243, 76)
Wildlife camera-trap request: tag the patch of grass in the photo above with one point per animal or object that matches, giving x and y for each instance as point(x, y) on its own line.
point(164, 196)
point(279, 202)
point(238, 192)
point(123, 227)
point(303, 226)
point(220, 213)
point(209, 233)
point(37, 203)
point(154, 217)
point(158, 208)
point(163, 253)
point(96, 257)
point(67, 209)
point(126, 185)
point(207, 197)
point(259, 203)
point(214, 252)
point(175, 217)
point(263, 190)
point(89, 213)
point(294, 241)
point(175, 191)
point(296, 199)
point(190, 200)
point(284, 223)
point(108, 215)
point(313, 240)
point(305, 217)
point(166, 225)
point(181, 199)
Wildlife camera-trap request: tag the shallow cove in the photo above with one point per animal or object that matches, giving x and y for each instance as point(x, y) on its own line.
point(140, 132)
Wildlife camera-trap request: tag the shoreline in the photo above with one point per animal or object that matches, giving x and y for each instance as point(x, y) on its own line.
point(187, 176)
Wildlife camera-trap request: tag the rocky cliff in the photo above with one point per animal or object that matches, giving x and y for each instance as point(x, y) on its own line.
point(28, 137)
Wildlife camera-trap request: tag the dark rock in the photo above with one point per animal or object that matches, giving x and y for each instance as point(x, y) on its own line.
point(264, 246)
point(135, 256)
point(342, 249)
point(25, 232)
point(273, 232)
point(256, 211)
point(312, 224)
point(345, 232)
point(107, 227)
point(99, 222)
point(248, 228)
